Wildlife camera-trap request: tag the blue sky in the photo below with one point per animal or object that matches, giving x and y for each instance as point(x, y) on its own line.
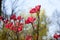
point(25, 5)
point(48, 5)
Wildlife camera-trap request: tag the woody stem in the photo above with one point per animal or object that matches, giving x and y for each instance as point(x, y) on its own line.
point(33, 30)
point(38, 26)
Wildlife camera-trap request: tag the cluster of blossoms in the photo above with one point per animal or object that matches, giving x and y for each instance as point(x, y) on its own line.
point(17, 25)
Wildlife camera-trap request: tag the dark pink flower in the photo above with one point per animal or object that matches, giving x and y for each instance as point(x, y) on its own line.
point(13, 17)
point(17, 23)
point(28, 37)
point(6, 21)
point(19, 18)
point(8, 25)
point(55, 36)
point(20, 28)
point(36, 9)
point(1, 17)
point(30, 20)
point(33, 10)
point(27, 22)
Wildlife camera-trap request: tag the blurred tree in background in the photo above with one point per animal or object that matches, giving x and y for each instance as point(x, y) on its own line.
point(0, 7)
